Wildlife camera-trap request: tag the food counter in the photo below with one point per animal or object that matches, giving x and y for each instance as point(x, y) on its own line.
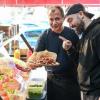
point(17, 79)
point(18, 85)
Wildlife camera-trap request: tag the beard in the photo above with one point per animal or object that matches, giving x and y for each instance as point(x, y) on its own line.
point(80, 28)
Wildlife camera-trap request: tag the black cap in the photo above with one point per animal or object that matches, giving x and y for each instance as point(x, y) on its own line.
point(76, 8)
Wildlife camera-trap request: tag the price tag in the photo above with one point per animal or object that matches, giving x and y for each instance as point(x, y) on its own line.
point(1, 37)
point(19, 78)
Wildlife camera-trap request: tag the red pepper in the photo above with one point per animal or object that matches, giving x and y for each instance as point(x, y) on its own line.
point(22, 68)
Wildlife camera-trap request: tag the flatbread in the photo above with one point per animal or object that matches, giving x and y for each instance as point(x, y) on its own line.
point(42, 58)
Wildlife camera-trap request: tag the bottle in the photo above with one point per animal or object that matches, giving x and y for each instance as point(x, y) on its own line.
point(17, 53)
point(29, 53)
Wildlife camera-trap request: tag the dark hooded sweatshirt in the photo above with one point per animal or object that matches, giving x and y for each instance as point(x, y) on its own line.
point(89, 66)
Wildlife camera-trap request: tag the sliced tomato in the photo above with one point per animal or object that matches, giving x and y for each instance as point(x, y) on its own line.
point(1, 87)
point(5, 98)
point(3, 93)
point(6, 79)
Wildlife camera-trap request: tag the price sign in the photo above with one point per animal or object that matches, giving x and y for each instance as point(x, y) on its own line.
point(1, 39)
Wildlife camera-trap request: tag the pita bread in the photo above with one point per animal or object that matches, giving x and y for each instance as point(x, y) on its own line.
point(41, 58)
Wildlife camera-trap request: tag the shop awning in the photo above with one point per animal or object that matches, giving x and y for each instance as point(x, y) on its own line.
point(47, 2)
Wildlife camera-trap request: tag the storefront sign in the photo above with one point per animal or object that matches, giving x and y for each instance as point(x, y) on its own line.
point(46, 2)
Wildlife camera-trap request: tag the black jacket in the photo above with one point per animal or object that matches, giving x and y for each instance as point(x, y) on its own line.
point(65, 85)
point(89, 66)
point(68, 62)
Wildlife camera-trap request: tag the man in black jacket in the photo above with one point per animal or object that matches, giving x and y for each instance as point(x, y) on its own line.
point(89, 54)
point(62, 81)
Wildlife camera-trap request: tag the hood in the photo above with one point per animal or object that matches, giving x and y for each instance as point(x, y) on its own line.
point(94, 22)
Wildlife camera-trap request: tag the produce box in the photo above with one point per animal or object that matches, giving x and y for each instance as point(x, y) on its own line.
point(35, 89)
point(11, 80)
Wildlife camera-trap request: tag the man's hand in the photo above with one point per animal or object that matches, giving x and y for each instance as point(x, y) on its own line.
point(67, 44)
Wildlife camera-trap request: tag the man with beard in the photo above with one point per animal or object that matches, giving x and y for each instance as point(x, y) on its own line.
point(62, 83)
point(89, 54)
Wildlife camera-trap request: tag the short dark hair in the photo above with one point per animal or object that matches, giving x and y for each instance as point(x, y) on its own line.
point(52, 8)
point(76, 8)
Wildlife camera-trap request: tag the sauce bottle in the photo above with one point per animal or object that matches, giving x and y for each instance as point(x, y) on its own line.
point(17, 53)
point(29, 53)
